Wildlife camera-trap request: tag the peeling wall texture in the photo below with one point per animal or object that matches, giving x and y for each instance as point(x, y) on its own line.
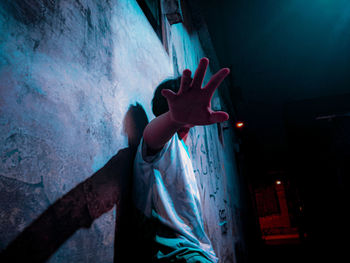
point(69, 70)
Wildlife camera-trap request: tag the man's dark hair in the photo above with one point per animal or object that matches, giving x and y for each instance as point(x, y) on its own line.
point(159, 103)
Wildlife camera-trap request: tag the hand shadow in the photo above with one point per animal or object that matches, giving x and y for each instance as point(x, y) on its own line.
point(87, 201)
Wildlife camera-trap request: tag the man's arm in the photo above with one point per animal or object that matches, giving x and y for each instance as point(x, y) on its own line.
point(159, 131)
point(190, 106)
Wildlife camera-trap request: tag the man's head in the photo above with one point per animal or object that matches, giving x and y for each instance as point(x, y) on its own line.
point(159, 103)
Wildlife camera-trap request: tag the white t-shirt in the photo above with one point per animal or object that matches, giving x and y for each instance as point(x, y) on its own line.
point(165, 189)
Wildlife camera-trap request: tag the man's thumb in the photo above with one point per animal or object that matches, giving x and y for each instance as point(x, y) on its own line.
point(219, 116)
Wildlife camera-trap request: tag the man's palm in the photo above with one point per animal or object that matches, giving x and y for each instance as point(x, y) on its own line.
point(192, 104)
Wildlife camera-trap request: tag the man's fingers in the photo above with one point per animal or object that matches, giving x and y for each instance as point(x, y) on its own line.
point(200, 73)
point(215, 80)
point(185, 80)
point(168, 94)
point(218, 116)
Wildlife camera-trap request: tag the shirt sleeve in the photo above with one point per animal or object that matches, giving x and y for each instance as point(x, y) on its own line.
point(156, 157)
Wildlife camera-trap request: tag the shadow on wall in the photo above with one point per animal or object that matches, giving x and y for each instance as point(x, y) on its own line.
point(87, 201)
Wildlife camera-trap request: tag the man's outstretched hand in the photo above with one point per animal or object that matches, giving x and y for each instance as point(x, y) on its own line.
point(192, 104)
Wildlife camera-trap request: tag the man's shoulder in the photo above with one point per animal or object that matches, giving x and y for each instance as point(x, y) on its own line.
point(150, 155)
point(148, 151)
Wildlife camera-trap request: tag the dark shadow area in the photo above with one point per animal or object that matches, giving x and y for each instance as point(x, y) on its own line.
point(314, 173)
point(86, 202)
point(319, 162)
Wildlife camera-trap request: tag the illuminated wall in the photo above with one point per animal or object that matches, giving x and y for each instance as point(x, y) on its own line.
point(69, 72)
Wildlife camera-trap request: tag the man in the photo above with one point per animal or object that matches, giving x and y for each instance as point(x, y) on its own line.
point(165, 189)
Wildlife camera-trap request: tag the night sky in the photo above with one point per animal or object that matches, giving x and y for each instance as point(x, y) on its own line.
point(280, 52)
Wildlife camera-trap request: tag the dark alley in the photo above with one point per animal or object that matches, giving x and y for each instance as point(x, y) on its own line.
point(174, 131)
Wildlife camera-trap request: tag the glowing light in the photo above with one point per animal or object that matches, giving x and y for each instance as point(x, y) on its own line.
point(278, 182)
point(239, 124)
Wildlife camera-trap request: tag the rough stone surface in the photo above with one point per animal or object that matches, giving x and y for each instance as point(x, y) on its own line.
point(68, 72)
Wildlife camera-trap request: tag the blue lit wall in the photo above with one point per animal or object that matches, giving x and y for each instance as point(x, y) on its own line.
point(68, 73)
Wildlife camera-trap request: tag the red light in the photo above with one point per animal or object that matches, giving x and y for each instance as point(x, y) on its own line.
point(239, 124)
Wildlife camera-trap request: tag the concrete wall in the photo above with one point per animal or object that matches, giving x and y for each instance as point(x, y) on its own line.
point(69, 72)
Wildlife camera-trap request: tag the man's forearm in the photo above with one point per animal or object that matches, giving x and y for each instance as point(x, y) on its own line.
point(160, 130)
